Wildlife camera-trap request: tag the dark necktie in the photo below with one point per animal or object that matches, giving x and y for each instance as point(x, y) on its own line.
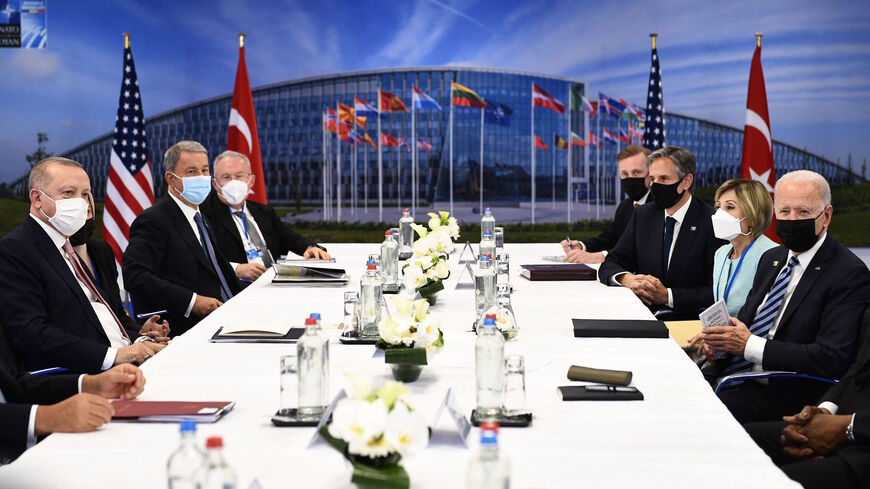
point(85, 279)
point(209, 252)
point(670, 222)
point(767, 315)
point(256, 239)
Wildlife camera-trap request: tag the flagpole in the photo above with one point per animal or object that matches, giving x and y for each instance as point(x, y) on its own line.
point(338, 161)
point(413, 156)
point(380, 165)
point(533, 151)
point(586, 150)
point(353, 171)
point(399, 177)
point(366, 175)
point(553, 190)
point(451, 152)
point(598, 165)
point(480, 209)
point(569, 198)
point(323, 124)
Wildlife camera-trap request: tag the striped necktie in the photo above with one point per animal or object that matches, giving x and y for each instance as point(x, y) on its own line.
point(766, 316)
point(83, 277)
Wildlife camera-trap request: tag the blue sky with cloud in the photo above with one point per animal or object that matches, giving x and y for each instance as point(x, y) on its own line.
point(815, 57)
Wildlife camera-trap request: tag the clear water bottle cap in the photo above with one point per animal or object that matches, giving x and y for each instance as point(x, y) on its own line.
point(388, 233)
point(187, 426)
point(488, 322)
point(315, 315)
point(310, 322)
point(214, 442)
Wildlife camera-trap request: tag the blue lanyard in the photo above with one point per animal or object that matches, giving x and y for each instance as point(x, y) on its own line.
point(244, 222)
point(736, 271)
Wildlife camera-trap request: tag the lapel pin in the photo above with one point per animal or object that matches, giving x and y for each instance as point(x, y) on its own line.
point(693, 228)
point(818, 268)
point(775, 263)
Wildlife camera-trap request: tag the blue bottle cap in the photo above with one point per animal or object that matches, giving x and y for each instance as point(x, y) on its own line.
point(488, 322)
point(487, 210)
point(187, 426)
point(315, 315)
point(487, 233)
point(488, 437)
point(485, 257)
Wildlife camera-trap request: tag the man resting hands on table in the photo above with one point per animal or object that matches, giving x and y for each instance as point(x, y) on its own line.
point(34, 406)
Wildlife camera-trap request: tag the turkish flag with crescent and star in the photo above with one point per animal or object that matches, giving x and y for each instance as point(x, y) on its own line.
point(757, 161)
point(242, 131)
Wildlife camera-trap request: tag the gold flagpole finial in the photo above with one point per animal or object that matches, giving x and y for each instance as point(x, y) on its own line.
point(758, 36)
point(653, 36)
point(242, 39)
point(126, 40)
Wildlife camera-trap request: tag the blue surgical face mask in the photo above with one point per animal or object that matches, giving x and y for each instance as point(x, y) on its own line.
point(196, 188)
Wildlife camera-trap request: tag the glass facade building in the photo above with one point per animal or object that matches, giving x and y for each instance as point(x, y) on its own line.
point(294, 148)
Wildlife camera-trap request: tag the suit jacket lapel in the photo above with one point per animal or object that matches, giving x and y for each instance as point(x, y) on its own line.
point(815, 268)
point(53, 257)
point(224, 216)
point(183, 227)
point(658, 233)
point(688, 231)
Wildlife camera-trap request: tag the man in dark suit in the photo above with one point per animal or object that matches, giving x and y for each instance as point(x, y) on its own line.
point(803, 313)
point(34, 406)
point(53, 313)
point(635, 181)
point(665, 255)
point(826, 445)
point(173, 261)
point(249, 234)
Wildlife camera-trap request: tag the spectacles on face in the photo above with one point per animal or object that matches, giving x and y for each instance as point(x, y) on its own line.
point(236, 176)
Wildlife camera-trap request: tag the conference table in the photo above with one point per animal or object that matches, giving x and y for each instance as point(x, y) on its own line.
point(680, 435)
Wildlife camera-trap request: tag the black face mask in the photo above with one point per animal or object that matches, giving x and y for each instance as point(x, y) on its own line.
point(634, 187)
point(666, 196)
point(799, 235)
point(84, 234)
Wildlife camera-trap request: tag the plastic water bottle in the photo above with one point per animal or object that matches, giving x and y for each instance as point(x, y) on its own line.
point(484, 286)
point(406, 235)
point(185, 464)
point(390, 262)
point(312, 353)
point(218, 475)
point(487, 223)
point(489, 368)
point(487, 247)
point(316, 316)
point(488, 469)
point(370, 298)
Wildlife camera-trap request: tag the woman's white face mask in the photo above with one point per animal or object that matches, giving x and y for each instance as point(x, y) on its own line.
point(726, 226)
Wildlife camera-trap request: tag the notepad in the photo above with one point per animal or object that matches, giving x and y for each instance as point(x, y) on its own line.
point(171, 411)
point(619, 328)
point(256, 334)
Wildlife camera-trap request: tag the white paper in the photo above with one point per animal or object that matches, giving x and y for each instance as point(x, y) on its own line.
point(253, 330)
point(716, 315)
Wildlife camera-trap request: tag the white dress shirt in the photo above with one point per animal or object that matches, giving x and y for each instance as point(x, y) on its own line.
point(189, 214)
point(754, 349)
point(105, 316)
point(251, 223)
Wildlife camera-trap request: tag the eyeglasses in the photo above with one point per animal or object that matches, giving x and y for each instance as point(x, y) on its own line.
point(238, 176)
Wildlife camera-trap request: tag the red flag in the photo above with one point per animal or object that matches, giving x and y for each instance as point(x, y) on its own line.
point(388, 140)
point(757, 161)
point(540, 98)
point(242, 132)
point(539, 143)
point(391, 103)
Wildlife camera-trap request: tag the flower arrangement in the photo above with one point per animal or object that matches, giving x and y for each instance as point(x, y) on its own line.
point(373, 428)
point(407, 336)
point(428, 267)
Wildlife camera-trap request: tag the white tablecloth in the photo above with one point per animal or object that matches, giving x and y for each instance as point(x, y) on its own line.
point(679, 436)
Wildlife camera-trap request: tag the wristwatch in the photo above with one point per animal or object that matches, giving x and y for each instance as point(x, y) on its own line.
point(850, 430)
point(143, 339)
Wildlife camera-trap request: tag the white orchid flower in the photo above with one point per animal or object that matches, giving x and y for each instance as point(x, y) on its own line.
point(406, 430)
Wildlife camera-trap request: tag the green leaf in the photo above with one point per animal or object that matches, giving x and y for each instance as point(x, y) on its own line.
point(394, 477)
point(412, 356)
point(431, 288)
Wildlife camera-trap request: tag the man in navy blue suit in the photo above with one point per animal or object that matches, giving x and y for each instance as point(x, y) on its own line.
point(665, 254)
point(53, 313)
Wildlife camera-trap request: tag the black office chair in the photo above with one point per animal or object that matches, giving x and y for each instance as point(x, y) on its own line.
point(864, 335)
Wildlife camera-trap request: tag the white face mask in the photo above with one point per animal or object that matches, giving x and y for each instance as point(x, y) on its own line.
point(726, 226)
point(69, 215)
point(235, 192)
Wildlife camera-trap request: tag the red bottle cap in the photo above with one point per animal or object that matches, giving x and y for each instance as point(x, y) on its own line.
point(405, 210)
point(388, 233)
point(214, 442)
point(489, 425)
point(372, 266)
point(488, 316)
point(310, 322)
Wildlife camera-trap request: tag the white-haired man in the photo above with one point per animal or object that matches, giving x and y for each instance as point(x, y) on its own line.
point(250, 235)
point(803, 313)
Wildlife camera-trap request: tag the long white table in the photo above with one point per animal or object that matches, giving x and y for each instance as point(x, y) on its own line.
point(679, 436)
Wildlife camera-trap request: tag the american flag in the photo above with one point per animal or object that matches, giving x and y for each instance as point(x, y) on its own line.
point(654, 128)
point(130, 188)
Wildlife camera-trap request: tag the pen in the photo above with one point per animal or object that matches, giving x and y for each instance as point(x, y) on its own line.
point(568, 239)
point(147, 315)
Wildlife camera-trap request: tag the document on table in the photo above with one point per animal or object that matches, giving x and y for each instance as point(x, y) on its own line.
point(716, 315)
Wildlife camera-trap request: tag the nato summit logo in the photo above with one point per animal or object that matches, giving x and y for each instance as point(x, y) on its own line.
point(23, 24)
